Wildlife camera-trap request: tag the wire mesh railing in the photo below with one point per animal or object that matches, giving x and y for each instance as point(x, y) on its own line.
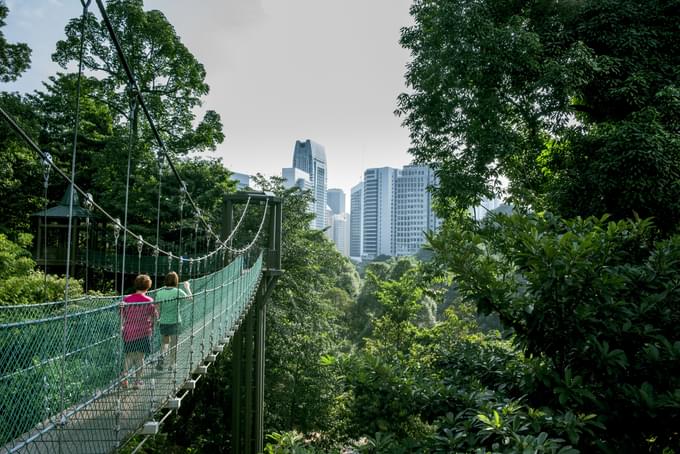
point(75, 376)
point(150, 264)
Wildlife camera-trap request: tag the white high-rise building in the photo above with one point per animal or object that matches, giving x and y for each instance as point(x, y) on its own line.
point(295, 177)
point(413, 214)
point(378, 212)
point(310, 157)
point(355, 229)
point(340, 227)
point(336, 200)
point(329, 223)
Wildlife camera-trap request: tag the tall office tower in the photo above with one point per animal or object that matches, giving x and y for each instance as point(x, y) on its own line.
point(340, 226)
point(336, 200)
point(378, 212)
point(355, 226)
point(413, 214)
point(310, 157)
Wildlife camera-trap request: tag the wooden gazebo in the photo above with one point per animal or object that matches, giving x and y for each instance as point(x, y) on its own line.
point(51, 228)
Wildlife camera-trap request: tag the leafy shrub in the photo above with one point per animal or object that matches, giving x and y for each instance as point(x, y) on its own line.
point(596, 304)
point(287, 443)
point(20, 284)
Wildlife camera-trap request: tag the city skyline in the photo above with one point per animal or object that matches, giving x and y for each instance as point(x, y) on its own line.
point(390, 210)
point(278, 72)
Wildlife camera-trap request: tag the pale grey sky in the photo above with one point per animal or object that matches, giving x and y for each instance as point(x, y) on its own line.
point(278, 70)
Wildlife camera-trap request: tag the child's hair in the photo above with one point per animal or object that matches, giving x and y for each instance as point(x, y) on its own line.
point(142, 282)
point(171, 279)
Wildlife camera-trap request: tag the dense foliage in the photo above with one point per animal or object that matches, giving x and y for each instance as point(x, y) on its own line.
point(596, 303)
point(14, 58)
point(112, 129)
point(575, 103)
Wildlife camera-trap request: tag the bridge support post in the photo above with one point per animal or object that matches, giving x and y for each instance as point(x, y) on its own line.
point(248, 355)
point(248, 381)
point(248, 345)
point(261, 314)
point(236, 358)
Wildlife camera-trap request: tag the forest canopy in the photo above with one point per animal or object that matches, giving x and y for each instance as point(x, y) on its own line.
point(575, 103)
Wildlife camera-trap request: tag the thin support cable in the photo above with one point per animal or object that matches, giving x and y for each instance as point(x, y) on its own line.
point(70, 216)
point(133, 115)
point(213, 274)
point(182, 192)
point(238, 224)
point(158, 218)
point(257, 235)
point(87, 252)
point(122, 381)
point(193, 314)
point(203, 321)
point(75, 147)
point(116, 234)
point(46, 183)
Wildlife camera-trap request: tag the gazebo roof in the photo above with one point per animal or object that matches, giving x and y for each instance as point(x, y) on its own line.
point(62, 208)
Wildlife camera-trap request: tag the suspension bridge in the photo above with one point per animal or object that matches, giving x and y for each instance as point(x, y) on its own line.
point(65, 384)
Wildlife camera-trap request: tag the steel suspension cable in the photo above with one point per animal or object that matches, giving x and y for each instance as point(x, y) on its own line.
point(181, 225)
point(133, 83)
point(238, 224)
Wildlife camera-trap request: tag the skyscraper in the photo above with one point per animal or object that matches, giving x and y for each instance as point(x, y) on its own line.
point(340, 226)
point(310, 157)
point(355, 221)
point(336, 200)
point(378, 212)
point(413, 214)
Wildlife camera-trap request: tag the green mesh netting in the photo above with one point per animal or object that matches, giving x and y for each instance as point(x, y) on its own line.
point(64, 386)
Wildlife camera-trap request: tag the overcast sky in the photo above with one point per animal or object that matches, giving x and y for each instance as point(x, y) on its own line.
point(278, 70)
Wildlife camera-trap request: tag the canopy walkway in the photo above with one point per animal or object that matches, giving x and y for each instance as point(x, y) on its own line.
point(61, 388)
